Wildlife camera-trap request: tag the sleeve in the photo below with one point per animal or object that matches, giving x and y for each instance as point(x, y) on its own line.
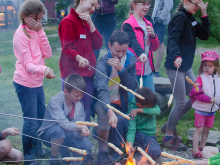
point(200, 96)
point(131, 130)
point(26, 58)
point(155, 43)
point(152, 111)
point(114, 2)
point(96, 39)
point(102, 83)
point(55, 109)
point(167, 8)
point(199, 80)
point(69, 43)
point(1, 136)
point(177, 26)
point(44, 44)
point(203, 30)
point(133, 39)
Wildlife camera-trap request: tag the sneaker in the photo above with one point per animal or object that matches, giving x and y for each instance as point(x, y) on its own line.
point(157, 74)
point(103, 158)
point(197, 155)
point(175, 134)
point(115, 156)
point(173, 144)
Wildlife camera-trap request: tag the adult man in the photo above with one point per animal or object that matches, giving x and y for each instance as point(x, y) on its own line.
point(119, 65)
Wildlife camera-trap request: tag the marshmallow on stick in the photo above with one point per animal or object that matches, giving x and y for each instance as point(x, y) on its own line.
point(170, 100)
point(118, 112)
point(141, 82)
point(129, 90)
point(146, 155)
point(73, 159)
point(86, 123)
point(177, 157)
point(115, 148)
point(191, 82)
point(82, 152)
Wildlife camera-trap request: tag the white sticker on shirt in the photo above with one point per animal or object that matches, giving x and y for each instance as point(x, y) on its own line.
point(83, 36)
point(194, 23)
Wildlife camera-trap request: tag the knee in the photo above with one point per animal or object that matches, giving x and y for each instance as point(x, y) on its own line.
point(155, 152)
point(57, 133)
point(5, 147)
point(206, 131)
point(19, 157)
point(199, 131)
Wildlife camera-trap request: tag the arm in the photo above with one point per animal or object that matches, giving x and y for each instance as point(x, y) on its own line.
point(152, 111)
point(44, 44)
point(131, 130)
point(133, 39)
point(155, 43)
point(200, 96)
point(203, 30)
point(96, 39)
point(167, 8)
point(9, 131)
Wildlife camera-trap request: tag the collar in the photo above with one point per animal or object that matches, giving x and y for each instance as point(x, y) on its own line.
point(188, 14)
point(27, 29)
point(136, 25)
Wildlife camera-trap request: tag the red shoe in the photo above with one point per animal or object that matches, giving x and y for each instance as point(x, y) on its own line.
point(197, 155)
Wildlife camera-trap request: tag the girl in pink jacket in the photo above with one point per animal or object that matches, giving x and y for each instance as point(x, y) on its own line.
point(206, 100)
point(31, 46)
point(143, 40)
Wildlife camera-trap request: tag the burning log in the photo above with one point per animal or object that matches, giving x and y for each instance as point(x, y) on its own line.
point(146, 155)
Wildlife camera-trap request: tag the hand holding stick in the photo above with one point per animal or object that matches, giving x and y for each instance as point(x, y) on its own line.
point(141, 79)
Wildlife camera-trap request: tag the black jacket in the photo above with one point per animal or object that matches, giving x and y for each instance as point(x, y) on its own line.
point(182, 38)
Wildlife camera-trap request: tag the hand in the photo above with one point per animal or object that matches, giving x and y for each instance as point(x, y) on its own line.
point(203, 7)
point(10, 131)
point(83, 62)
point(132, 149)
point(150, 30)
point(48, 73)
point(86, 17)
point(34, 25)
point(212, 99)
point(113, 120)
point(178, 62)
point(134, 112)
point(143, 58)
point(83, 129)
point(115, 63)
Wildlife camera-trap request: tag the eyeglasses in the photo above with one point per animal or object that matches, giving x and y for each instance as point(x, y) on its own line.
point(196, 5)
point(145, 4)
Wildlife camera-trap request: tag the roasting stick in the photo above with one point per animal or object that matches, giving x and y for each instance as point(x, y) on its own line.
point(122, 86)
point(79, 151)
point(141, 79)
point(146, 155)
point(87, 123)
point(178, 158)
point(171, 96)
point(109, 106)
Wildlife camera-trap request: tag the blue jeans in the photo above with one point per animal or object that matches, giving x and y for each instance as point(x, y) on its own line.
point(141, 140)
point(148, 81)
point(105, 25)
point(33, 105)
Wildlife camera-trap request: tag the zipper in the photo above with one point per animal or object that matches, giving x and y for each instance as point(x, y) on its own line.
point(214, 90)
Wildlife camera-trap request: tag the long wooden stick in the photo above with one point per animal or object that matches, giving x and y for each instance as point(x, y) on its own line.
point(171, 96)
point(141, 79)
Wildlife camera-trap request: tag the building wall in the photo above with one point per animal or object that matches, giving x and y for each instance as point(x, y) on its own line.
point(50, 6)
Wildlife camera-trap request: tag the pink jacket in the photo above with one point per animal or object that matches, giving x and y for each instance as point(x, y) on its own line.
point(154, 42)
point(30, 54)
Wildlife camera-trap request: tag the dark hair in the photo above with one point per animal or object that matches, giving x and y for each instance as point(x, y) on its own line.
point(148, 94)
point(120, 37)
point(75, 80)
point(216, 64)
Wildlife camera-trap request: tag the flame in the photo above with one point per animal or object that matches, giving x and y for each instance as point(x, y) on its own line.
point(130, 160)
point(144, 159)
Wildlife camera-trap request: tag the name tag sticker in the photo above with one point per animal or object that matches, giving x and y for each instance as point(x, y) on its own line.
point(83, 36)
point(194, 23)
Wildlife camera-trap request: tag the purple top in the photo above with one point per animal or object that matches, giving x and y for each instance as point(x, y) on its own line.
point(106, 7)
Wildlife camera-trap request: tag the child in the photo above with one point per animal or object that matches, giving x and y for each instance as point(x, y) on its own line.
point(182, 32)
point(66, 106)
point(7, 153)
point(79, 37)
point(31, 46)
point(142, 128)
point(143, 40)
point(204, 101)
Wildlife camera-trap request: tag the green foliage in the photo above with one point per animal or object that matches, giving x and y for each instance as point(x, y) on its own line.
point(63, 4)
point(121, 12)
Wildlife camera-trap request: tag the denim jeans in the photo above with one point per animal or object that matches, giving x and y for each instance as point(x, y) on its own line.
point(148, 81)
point(141, 140)
point(105, 25)
point(33, 105)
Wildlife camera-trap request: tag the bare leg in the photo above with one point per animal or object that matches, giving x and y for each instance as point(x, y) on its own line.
point(159, 56)
point(14, 155)
point(104, 135)
point(204, 136)
point(5, 148)
point(55, 148)
point(196, 137)
point(209, 151)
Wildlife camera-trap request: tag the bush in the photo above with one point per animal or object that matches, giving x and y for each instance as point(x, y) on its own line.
point(121, 12)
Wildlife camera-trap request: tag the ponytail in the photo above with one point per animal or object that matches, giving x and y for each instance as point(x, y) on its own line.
point(24, 29)
point(180, 5)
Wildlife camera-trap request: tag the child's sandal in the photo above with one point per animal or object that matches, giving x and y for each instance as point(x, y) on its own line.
point(200, 148)
point(197, 155)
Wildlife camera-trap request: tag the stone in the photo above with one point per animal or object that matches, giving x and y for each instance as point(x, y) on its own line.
point(162, 100)
point(212, 140)
point(162, 85)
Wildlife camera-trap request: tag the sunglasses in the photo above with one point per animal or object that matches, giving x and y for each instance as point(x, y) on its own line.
point(194, 3)
point(145, 4)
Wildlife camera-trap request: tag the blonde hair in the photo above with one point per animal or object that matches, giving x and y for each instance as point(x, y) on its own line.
point(180, 5)
point(76, 3)
point(30, 7)
point(131, 9)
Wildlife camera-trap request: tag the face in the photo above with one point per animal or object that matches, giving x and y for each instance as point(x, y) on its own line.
point(191, 6)
point(141, 8)
point(33, 16)
point(89, 6)
point(208, 67)
point(118, 50)
point(74, 96)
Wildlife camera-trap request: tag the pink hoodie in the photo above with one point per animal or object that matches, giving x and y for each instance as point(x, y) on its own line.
point(30, 54)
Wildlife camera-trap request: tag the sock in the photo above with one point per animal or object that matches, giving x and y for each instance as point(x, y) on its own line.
point(168, 136)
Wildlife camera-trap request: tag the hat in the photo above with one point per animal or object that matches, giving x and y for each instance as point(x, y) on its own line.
point(210, 56)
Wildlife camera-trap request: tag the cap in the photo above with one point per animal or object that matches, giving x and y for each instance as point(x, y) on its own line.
point(210, 56)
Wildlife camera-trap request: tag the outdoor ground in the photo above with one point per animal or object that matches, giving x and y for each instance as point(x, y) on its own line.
point(9, 102)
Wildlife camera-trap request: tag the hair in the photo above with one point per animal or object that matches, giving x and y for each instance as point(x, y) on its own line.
point(76, 3)
point(30, 7)
point(130, 7)
point(180, 5)
point(216, 64)
point(75, 80)
point(120, 37)
point(150, 98)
